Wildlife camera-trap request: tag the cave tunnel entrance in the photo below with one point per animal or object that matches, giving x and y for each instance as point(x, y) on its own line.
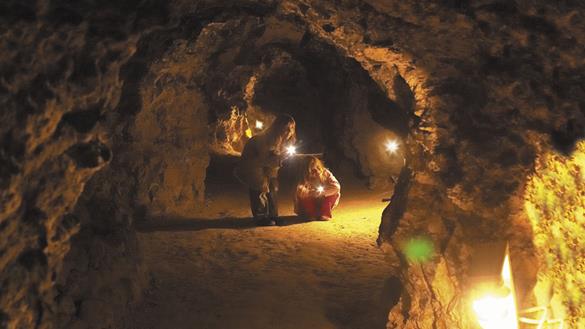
point(306, 274)
point(209, 265)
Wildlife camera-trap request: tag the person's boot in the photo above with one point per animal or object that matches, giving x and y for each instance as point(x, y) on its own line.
point(280, 221)
point(266, 222)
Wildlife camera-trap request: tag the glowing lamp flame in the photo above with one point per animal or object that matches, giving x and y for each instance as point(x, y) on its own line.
point(392, 146)
point(496, 312)
point(320, 189)
point(499, 311)
point(259, 124)
point(291, 150)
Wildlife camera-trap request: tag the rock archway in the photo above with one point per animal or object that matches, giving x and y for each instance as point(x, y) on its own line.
point(191, 80)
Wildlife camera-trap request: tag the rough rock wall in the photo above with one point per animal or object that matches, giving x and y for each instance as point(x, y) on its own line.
point(191, 82)
point(102, 274)
point(492, 80)
point(555, 205)
point(59, 67)
point(170, 135)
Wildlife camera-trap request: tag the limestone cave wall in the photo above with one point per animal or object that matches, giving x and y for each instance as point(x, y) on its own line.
point(494, 96)
point(168, 140)
point(59, 67)
point(554, 204)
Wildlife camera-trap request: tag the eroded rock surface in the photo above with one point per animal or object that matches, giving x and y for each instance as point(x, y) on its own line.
point(59, 67)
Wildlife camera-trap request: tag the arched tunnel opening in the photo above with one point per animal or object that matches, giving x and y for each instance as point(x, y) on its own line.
point(455, 130)
point(186, 111)
point(341, 115)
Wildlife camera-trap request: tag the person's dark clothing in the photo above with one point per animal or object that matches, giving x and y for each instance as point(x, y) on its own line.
point(264, 205)
point(258, 170)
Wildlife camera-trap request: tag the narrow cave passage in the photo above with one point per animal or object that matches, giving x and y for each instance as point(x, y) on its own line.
point(172, 222)
point(214, 268)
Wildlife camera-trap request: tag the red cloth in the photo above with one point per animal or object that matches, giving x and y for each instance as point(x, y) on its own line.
point(312, 204)
point(316, 206)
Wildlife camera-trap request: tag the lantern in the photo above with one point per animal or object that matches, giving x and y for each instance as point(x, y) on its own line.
point(494, 294)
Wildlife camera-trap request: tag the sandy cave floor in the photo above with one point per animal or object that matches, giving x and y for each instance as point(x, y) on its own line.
point(219, 271)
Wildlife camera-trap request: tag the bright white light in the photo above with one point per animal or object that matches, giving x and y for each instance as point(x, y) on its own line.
point(291, 150)
point(496, 312)
point(392, 146)
point(320, 189)
point(259, 124)
point(499, 312)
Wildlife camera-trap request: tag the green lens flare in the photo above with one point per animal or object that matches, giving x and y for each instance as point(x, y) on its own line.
point(419, 250)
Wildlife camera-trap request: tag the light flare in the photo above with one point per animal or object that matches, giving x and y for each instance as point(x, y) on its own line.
point(392, 146)
point(259, 124)
point(291, 150)
point(419, 249)
point(496, 312)
point(320, 189)
point(499, 311)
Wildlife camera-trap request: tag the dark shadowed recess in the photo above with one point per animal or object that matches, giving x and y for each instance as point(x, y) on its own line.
point(315, 89)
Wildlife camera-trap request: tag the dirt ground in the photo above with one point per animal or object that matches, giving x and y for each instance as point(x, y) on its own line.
point(219, 271)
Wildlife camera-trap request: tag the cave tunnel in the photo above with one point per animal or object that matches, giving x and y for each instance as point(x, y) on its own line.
point(454, 128)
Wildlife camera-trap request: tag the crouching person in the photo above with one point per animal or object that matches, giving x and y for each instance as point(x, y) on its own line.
point(318, 192)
